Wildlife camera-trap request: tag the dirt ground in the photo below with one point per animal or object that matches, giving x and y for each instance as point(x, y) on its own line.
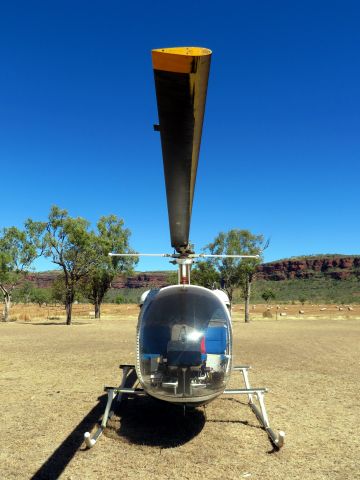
point(52, 375)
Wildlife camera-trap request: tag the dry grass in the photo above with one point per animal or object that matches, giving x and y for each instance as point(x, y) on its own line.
point(51, 376)
point(298, 311)
point(29, 312)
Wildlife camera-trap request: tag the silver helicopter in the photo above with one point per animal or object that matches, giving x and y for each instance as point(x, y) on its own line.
point(184, 332)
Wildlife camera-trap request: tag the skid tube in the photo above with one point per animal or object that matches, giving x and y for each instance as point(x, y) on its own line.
point(113, 393)
point(277, 439)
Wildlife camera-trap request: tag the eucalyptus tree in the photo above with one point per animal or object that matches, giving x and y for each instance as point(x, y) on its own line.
point(110, 236)
point(69, 244)
point(205, 274)
point(18, 250)
point(237, 273)
point(268, 295)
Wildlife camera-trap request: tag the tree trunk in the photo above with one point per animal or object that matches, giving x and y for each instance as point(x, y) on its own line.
point(229, 293)
point(68, 305)
point(68, 308)
point(97, 306)
point(247, 301)
point(7, 305)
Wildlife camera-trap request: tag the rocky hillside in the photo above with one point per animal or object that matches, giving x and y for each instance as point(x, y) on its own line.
point(338, 267)
point(149, 279)
point(139, 280)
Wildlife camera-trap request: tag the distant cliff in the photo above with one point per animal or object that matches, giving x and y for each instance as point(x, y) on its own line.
point(338, 267)
point(138, 280)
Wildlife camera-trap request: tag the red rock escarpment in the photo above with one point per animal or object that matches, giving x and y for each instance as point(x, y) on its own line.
point(336, 267)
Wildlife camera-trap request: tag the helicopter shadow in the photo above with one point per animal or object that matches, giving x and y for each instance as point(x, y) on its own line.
point(233, 420)
point(273, 449)
point(53, 467)
point(147, 421)
point(52, 323)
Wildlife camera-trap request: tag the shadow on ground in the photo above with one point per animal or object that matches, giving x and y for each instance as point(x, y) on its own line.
point(53, 323)
point(58, 461)
point(147, 421)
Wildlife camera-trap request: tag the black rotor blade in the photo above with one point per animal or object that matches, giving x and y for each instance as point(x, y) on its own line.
point(181, 78)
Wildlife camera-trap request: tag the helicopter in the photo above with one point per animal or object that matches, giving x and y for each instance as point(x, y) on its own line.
point(184, 331)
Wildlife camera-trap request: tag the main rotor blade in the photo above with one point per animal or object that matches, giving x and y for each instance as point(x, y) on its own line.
point(203, 255)
point(139, 254)
point(181, 78)
point(178, 255)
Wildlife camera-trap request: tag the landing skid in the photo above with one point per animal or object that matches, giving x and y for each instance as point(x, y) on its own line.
point(129, 379)
point(117, 393)
point(277, 439)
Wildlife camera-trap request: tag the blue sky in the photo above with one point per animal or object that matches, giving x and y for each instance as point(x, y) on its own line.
point(281, 146)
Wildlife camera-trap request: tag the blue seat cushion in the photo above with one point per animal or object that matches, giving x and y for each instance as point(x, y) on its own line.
point(183, 354)
point(215, 340)
point(154, 340)
point(146, 356)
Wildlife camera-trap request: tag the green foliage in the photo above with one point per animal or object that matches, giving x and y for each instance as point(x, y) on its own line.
point(120, 299)
point(69, 244)
point(18, 250)
point(58, 290)
point(268, 295)
point(234, 272)
point(40, 296)
point(172, 278)
point(29, 293)
point(24, 292)
point(302, 299)
point(125, 295)
point(206, 275)
point(311, 290)
point(111, 236)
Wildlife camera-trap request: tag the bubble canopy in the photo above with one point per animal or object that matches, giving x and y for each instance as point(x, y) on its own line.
point(184, 344)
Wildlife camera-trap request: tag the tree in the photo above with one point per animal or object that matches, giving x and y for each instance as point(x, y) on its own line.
point(23, 293)
point(18, 250)
point(69, 244)
point(237, 273)
point(40, 296)
point(356, 269)
point(172, 277)
point(58, 290)
point(111, 236)
point(268, 295)
point(302, 299)
point(205, 274)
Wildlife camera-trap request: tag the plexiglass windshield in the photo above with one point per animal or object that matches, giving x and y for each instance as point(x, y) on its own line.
point(184, 343)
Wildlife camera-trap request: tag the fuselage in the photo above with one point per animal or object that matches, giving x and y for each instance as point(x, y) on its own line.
point(184, 344)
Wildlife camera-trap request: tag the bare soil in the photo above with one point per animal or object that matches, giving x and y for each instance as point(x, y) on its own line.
point(52, 375)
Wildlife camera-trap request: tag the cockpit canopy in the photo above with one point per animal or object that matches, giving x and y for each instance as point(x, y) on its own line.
point(184, 343)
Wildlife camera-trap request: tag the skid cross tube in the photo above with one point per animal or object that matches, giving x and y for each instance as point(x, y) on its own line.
point(277, 439)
